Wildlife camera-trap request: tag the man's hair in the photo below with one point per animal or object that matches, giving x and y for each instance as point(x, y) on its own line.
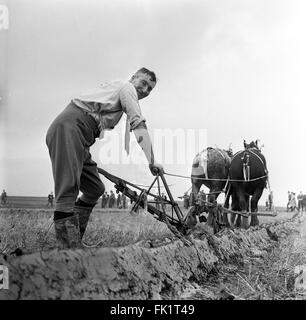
point(148, 72)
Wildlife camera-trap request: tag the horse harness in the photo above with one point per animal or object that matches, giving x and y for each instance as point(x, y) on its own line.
point(203, 159)
point(246, 163)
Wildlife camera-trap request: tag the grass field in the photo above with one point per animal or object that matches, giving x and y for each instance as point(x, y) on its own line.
point(32, 229)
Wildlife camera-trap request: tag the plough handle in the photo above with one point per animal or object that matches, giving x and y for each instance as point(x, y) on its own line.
point(111, 177)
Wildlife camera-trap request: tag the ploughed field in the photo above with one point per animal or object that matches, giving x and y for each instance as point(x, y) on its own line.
point(137, 257)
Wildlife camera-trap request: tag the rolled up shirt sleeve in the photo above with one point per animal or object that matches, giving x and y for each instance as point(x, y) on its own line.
point(130, 105)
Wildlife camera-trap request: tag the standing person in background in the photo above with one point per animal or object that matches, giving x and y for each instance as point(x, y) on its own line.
point(293, 201)
point(107, 201)
point(270, 198)
point(119, 204)
point(300, 200)
point(75, 130)
point(50, 199)
point(186, 200)
point(103, 200)
point(289, 199)
point(157, 203)
point(112, 199)
point(3, 197)
point(124, 201)
point(164, 197)
point(145, 202)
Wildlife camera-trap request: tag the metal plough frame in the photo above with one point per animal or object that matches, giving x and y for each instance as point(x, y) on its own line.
point(178, 225)
point(178, 221)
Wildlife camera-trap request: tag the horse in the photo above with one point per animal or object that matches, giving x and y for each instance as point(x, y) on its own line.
point(248, 177)
point(291, 205)
point(210, 163)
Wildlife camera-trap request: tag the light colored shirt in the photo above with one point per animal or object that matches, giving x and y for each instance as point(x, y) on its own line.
point(107, 103)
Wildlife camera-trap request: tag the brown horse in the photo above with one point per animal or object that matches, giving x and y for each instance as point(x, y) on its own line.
point(210, 168)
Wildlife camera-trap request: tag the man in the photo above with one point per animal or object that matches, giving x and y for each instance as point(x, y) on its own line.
point(292, 202)
point(270, 198)
point(3, 197)
point(186, 200)
point(118, 200)
point(73, 132)
point(157, 202)
point(145, 202)
point(112, 199)
point(103, 200)
point(300, 201)
point(289, 199)
point(107, 201)
point(123, 201)
point(163, 197)
point(50, 199)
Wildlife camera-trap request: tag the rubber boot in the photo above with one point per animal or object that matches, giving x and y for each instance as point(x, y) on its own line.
point(61, 234)
point(67, 231)
point(83, 214)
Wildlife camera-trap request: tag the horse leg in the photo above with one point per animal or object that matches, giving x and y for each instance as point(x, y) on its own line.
point(226, 205)
point(225, 219)
point(243, 205)
point(234, 207)
point(196, 186)
point(254, 202)
point(210, 218)
point(247, 199)
point(214, 215)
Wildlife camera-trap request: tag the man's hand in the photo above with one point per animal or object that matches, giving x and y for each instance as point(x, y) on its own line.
point(156, 168)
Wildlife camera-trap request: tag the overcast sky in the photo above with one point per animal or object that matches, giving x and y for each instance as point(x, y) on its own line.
point(235, 68)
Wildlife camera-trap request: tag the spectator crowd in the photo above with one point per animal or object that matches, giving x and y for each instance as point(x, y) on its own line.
point(112, 200)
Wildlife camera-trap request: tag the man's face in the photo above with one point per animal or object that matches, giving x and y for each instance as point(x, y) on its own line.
point(143, 84)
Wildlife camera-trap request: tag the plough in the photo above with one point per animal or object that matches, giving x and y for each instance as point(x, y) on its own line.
point(179, 224)
point(176, 223)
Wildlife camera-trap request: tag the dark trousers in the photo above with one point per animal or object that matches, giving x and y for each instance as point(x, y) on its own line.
point(68, 139)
